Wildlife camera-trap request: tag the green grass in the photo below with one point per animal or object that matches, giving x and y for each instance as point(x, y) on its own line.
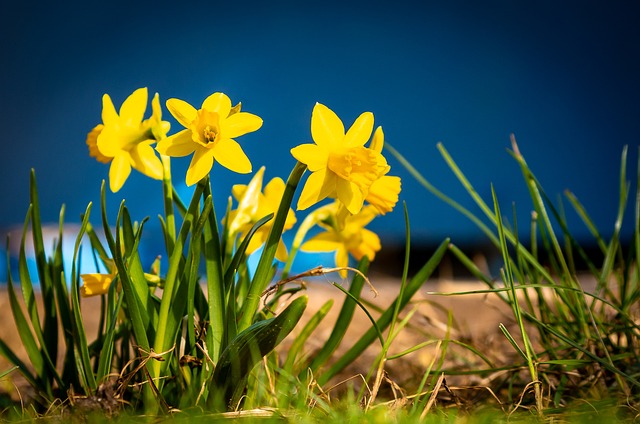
point(570, 356)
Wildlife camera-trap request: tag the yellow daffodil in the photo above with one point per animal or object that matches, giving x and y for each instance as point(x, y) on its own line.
point(254, 205)
point(125, 139)
point(95, 284)
point(349, 237)
point(209, 134)
point(340, 165)
point(383, 192)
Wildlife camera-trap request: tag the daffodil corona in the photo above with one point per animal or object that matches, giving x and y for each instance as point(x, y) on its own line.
point(383, 192)
point(209, 134)
point(341, 166)
point(124, 139)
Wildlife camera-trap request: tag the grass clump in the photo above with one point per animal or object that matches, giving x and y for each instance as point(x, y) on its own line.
point(211, 338)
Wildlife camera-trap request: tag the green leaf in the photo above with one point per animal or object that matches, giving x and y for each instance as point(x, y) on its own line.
point(305, 333)
point(344, 318)
point(83, 359)
point(247, 349)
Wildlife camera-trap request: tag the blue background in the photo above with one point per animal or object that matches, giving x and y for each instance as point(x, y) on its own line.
point(561, 76)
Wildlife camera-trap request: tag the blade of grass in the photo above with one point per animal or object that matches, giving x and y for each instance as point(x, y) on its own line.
point(383, 322)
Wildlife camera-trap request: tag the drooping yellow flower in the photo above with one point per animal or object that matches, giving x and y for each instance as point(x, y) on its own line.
point(125, 139)
point(383, 192)
point(209, 134)
point(95, 284)
point(348, 237)
point(340, 165)
point(254, 205)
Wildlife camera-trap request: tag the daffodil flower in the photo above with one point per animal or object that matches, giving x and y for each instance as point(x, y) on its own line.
point(348, 237)
point(254, 205)
point(95, 284)
point(383, 192)
point(341, 166)
point(124, 139)
point(209, 134)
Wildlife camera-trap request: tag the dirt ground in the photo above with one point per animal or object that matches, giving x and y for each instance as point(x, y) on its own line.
point(475, 320)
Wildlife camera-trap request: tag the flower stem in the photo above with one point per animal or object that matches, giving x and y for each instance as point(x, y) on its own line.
point(167, 189)
point(263, 270)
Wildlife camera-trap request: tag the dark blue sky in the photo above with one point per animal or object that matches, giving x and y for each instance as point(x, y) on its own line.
point(562, 76)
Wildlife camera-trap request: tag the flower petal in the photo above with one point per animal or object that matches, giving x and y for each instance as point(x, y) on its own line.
point(184, 113)
point(241, 123)
point(350, 195)
point(144, 159)
point(119, 170)
point(377, 142)
point(230, 155)
point(312, 155)
point(326, 128)
point(95, 284)
point(200, 165)
point(109, 114)
point(319, 185)
point(178, 145)
point(218, 102)
point(281, 252)
point(323, 242)
point(342, 260)
point(133, 108)
point(360, 131)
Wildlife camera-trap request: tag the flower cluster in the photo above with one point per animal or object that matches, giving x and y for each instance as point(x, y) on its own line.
point(347, 166)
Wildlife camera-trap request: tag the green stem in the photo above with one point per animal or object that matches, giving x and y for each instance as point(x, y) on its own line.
point(166, 325)
point(307, 224)
point(215, 281)
point(167, 189)
point(263, 270)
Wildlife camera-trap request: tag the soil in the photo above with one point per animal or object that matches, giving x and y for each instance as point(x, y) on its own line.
point(474, 319)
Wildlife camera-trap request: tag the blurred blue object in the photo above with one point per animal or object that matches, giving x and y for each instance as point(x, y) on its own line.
point(562, 76)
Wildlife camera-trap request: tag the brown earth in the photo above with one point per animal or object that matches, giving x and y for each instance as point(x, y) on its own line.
point(474, 320)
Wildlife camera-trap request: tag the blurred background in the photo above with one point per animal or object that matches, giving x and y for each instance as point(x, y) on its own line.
point(561, 76)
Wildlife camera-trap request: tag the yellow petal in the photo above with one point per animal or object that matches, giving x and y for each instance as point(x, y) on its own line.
point(133, 108)
point(362, 219)
point(319, 185)
point(218, 102)
point(323, 242)
point(360, 131)
point(178, 145)
point(119, 170)
point(273, 192)
point(200, 165)
point(95, 284)
point(241, 123)
point(369, 246)
point(144, 159)
point(237, 191)
point(377, 142)
point(109, 114)
point(326, 128)
point(184, 113)
point(230, 155)
point(342, 260)
point(350, 195)
point(281, 251)
point(312, 155)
